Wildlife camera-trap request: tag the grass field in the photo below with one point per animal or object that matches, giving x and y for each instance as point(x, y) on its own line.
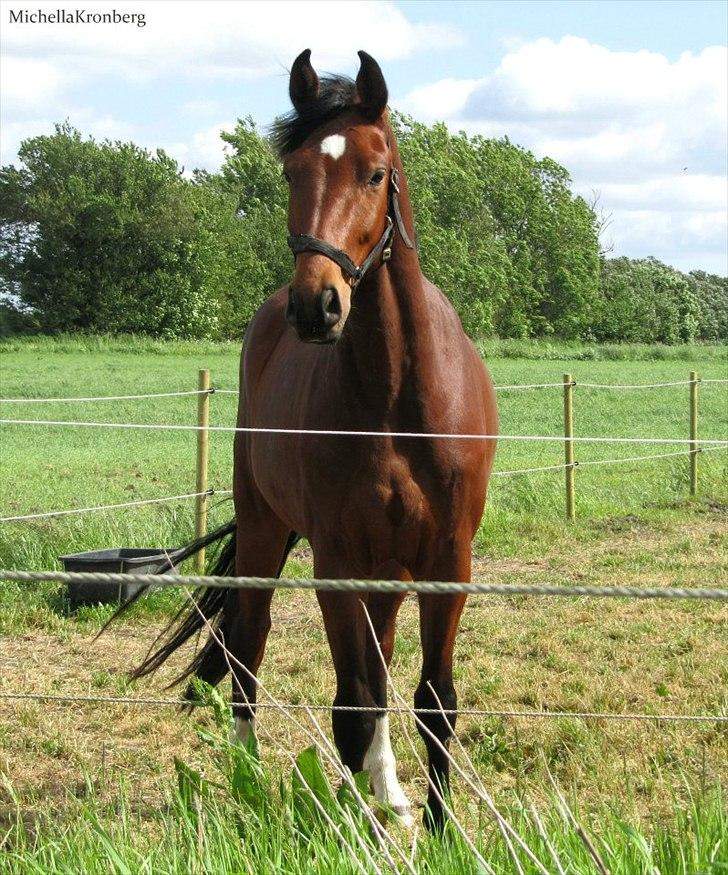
point(635, 525)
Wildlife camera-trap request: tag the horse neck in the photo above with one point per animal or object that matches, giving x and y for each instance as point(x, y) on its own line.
point(390, 335)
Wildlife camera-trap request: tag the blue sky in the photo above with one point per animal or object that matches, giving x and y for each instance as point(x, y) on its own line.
point(629, 96)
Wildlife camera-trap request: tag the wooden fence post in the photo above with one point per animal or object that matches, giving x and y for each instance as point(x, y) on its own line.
point(694, 433)
point(569, 447)
point(203, 420)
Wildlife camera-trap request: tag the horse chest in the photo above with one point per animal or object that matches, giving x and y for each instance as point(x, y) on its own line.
point(396, 508)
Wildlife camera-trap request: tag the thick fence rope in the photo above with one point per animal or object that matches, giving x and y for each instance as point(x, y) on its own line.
point(417, 586)
point(105, 397)
point(323, 432)
point(302, 706)
point(100, 507)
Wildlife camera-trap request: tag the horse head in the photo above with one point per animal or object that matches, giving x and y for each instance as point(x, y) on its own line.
point(337, 159)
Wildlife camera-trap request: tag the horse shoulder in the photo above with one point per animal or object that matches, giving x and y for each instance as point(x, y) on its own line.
point(463, 359)
point(262, 337)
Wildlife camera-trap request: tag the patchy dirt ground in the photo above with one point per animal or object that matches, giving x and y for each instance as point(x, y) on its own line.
point(513, 654)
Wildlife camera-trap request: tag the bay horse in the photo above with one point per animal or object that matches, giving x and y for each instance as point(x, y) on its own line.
point(359, 340)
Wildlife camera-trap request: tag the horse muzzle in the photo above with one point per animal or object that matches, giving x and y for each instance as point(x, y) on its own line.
point(318, 317)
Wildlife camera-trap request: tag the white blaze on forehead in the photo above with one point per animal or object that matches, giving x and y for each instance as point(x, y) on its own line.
point(333, 145)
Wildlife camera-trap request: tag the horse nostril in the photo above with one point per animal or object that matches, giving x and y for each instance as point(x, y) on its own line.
point(330, 306)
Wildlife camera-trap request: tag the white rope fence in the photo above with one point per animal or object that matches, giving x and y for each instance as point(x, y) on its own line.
point(100, 507)
point(696, 445)
point(536, 470)
point(210, 492)
point(504, 590)
point(585, 385)
point(575, 383)
point(708, 449)
point(324, 432)
point(216, 391)
point(619, 461)
point(80, 698)
point(107, 397)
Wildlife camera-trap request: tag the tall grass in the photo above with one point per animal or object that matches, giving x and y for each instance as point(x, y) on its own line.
point(241, 816)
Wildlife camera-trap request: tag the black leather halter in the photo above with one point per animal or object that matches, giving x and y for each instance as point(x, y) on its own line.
point(306, 243)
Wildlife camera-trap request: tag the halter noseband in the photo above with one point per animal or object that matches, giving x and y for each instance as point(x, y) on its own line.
point(306, 243)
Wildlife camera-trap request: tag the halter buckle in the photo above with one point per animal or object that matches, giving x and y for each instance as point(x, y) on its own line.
point(387, 253)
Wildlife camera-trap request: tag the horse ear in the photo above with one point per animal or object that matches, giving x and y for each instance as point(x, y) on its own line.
point(371, 88)
point(303, 86)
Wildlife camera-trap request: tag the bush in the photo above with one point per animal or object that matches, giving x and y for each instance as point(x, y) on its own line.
point(106, 237)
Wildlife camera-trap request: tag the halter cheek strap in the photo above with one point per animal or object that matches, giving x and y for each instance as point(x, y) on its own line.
point(305, 243)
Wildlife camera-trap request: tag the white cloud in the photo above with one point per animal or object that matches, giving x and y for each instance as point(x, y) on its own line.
point(242, 39)
point(648, 133)
point(687, 240)
point(28, 83)
point(99, 127)
point(205, 150)
point(439, 100)
point(15, 132)
point(673, 193)
point(43, 61)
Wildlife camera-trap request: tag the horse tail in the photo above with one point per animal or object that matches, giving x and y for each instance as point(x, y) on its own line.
point(213, 606)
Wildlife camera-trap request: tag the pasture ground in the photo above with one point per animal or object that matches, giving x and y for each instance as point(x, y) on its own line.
point(635, 526)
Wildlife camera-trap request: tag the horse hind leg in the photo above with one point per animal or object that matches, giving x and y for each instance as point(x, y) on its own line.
point(261, 551)
point(439, 617)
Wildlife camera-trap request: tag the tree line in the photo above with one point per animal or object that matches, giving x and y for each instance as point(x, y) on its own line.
point(108, 237)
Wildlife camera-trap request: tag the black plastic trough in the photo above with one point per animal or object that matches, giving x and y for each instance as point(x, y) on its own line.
point(127, 560)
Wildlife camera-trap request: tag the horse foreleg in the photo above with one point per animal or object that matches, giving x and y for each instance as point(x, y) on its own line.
point(260, 549)
point(346, 630)
point(439, 618)
point(379, 758)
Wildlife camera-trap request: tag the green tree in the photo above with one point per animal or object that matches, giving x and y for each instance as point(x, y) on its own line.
point(501, 233)
point(259, 260)
point(644, 300)
point(106, 237)
point(457, 241)
point(711, 294)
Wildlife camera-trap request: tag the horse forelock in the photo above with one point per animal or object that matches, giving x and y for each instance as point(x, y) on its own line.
point(337, 94)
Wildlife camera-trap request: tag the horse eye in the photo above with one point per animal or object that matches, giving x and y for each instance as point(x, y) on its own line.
point(377, 177)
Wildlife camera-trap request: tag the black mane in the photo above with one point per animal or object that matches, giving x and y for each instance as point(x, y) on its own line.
point(289, 131)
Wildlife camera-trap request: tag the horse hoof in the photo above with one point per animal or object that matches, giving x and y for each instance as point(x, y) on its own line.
point(403, 813)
